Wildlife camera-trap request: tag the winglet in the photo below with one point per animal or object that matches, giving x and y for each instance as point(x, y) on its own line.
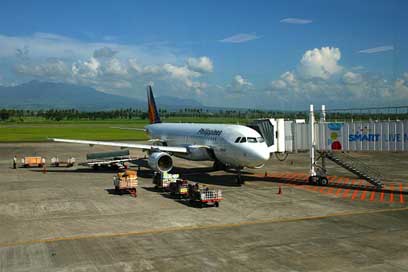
point(152, 109)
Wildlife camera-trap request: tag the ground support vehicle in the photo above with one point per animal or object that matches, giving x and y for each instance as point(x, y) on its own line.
point(33, 162)
point(113, 160)
point(162, 180)
point(179, 188)
point(56, 162)
point(202, 196)
point(126, 182)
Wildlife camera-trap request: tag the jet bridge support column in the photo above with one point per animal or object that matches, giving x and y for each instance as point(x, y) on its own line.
point(312, 143)
point(323, 117)
point(317, 175)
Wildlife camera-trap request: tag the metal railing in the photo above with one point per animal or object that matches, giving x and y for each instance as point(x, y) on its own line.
point(357, 167)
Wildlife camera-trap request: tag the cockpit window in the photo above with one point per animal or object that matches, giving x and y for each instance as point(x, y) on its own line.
point(261, 140)
point(237, 140)
point(243, 140)
point(251, 140)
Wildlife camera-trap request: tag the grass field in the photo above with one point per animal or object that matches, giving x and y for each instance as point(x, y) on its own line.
point(37, 130)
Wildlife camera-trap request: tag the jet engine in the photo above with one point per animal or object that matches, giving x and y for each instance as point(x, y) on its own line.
point(160, 161)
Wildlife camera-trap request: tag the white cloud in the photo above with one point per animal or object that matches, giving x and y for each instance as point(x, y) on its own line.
point(319, 79)
point(377, 49)
point(287, 79)
point(125, 71)
point(240, 81)
point(278, 84)
point(238, 85)
point(104, 66)
point(296, 21)
point(115, 67)
point(352, 78)
point(183, 74)
point(202, 64)
point(401, 86)
point(53, 68)
point(240, 38)
point(320, 63)
point(86, 69)
point(46, 45)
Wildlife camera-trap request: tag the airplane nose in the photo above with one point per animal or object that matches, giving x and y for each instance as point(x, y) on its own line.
point(264, 155)
point(260, 155)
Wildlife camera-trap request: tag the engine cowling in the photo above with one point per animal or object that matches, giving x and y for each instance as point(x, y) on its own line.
point(160, 161)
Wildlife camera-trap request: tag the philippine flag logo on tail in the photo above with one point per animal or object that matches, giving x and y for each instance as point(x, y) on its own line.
point(152, 109)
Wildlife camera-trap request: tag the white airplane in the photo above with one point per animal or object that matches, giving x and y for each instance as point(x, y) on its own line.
point(232, 146)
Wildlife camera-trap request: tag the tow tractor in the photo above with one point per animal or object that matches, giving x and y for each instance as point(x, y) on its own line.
point(179, 188)
point(202, 196)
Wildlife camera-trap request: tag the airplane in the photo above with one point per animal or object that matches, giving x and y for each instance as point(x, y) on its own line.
point(228, 146)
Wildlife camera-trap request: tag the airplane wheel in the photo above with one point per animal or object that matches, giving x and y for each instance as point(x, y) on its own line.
point(323, 181)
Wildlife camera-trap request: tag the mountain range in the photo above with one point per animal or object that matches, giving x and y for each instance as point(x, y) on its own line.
point(45, 95)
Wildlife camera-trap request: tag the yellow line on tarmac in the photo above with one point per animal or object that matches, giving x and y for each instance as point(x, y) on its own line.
point(201, 227)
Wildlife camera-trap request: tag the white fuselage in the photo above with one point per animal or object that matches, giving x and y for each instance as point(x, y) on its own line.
point(214, 142)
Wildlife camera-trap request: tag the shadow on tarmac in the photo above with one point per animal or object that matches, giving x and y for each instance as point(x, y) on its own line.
point(182, 200)
point(227, 178)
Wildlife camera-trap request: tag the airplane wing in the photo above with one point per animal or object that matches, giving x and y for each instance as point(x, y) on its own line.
point(173, 149)
point(130, 128)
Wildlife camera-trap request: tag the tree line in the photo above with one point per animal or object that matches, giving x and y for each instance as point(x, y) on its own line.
point(130, 113)
point(74, 114)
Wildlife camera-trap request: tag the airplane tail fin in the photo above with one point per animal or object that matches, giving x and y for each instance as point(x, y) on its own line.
point(152, 109)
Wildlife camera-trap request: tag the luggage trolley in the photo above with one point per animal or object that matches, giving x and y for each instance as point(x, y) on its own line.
point(126, 182)
point(202, 196)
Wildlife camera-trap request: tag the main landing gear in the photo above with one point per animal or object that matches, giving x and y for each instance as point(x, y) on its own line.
point(218, 166)
point(240, 181)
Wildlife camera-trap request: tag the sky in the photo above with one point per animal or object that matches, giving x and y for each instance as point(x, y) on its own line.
point(251, 54)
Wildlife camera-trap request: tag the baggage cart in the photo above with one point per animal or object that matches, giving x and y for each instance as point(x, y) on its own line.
point(56, 162)
point(203, 196)
point(33, 162)
point(126, 182)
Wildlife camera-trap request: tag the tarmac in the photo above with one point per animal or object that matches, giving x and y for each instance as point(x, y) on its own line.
point(70, 219)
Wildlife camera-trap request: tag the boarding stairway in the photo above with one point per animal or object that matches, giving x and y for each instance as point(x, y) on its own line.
point(355, 166)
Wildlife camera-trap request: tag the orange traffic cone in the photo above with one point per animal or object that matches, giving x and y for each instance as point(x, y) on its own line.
point(280, 190)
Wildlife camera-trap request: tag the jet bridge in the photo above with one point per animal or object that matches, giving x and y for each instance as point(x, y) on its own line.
point(331, 140)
